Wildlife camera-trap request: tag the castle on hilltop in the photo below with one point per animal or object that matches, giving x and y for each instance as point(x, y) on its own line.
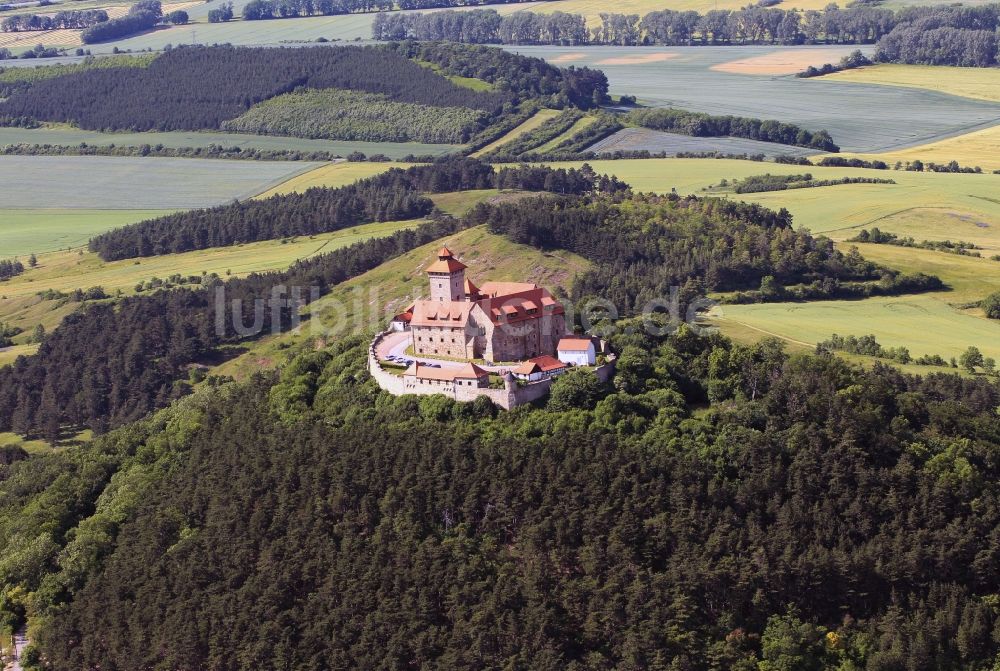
point(435, 345)
point(499, 321)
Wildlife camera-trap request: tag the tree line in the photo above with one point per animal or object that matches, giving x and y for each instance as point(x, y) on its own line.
point(699, 124)
point(257, 10)
point(191, 88)
point(934, 35)
point(394, 195)
point(859, 24)
point(73, 19)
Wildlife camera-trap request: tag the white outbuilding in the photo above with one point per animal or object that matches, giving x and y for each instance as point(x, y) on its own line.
point(577, 351)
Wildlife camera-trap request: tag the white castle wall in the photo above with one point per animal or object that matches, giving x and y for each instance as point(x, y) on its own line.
point(511, 396)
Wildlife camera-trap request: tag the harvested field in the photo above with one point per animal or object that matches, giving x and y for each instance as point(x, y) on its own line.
point(784, 62)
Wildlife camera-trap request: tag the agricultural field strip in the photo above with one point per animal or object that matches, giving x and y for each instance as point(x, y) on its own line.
point(688, 82)
point(531, 124)
point(101, 183)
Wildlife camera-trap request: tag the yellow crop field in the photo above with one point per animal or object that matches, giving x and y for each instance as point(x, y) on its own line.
point(976, 83)
point(979, 148)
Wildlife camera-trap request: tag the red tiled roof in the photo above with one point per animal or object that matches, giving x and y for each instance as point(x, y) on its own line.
point(575, 344)
point(421, 371)
point(547, 363)
point(514, 308)
point(446, 263)
point(496, 289)
point(527, 368)
point(441, 313)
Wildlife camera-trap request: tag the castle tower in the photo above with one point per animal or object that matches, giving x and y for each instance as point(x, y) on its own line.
point(447, 277)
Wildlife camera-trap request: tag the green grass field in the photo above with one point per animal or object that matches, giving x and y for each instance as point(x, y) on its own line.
point(35, 231)
point(67, 136)
point(977, 83)
point(834, 210)
point(65, 271)
point(924, 324)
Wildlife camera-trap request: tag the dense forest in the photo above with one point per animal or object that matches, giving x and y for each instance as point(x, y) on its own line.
point(816, 517)
point(394, 195)
point(936, 35)
point(193, 88)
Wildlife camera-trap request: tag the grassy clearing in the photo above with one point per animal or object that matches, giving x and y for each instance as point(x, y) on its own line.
point(459, 203)
point(924, 324)
point(978, 148)
point(104, 182)
point(40, 446)
point(331, 174)
point(939, 224)
point(531, 124)
point(35, 231)
point(369, 300)
point(67, 136)
point(970, 279)
point(976, 83)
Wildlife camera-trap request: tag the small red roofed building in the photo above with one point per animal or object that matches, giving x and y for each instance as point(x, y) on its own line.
point(577, 351)
point(539, 368)
point(498, 321)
